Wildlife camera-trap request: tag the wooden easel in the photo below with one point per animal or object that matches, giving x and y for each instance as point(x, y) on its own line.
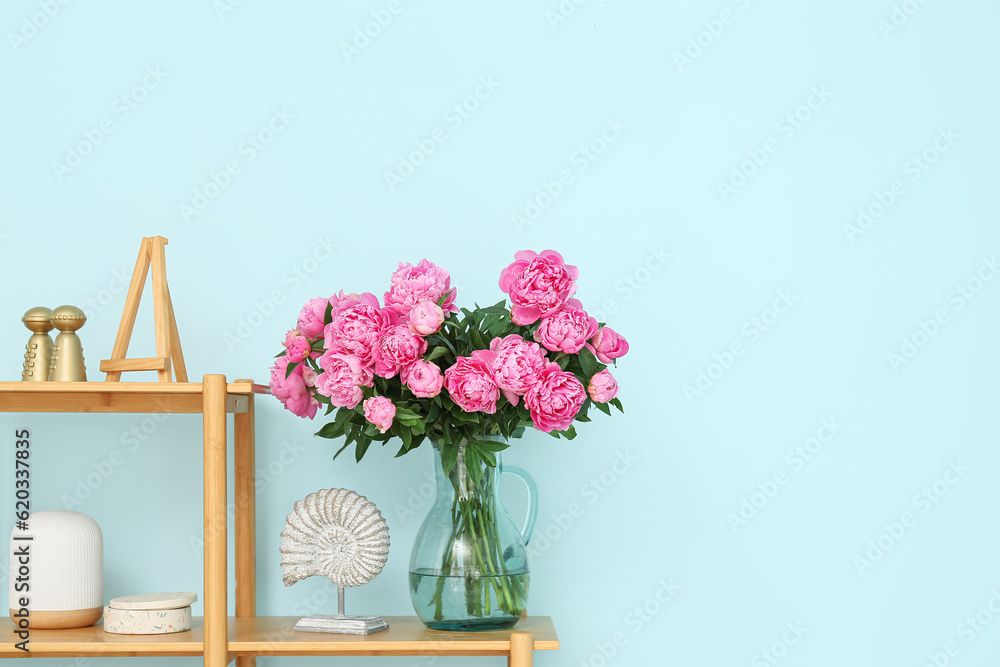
point(168, 341)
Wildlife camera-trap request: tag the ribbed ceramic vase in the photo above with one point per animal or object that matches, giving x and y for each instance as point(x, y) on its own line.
point(57, 567)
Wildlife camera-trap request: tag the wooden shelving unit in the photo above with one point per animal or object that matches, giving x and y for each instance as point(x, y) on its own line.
point(217, 637)
point(213, 398)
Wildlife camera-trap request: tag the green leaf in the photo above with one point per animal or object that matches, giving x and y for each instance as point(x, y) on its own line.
point(618, 404)
point(603, 407)
point(291, 369)
point(589, 363)
point(436, 353)
point(360, 449)
point(406, 415)
point(563, 361)
point(491, 445)
point(487, 457)
point(331, 430)
point(343, 416)
point(343, 447)
point(444, 297)
point(328, 315)
point(449, 345)
point(478, 340)
point(449, 456)
point(570, 432)
point(461, 415)
point(338, 426)
point(406, 437)
point(497, 309)
point(472, 465)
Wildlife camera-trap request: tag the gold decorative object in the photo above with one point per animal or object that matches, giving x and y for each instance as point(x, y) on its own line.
point(38, 351)
point(67, 355)
point(168, 341)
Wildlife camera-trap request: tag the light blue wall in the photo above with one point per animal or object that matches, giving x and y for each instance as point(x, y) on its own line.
point(887, 84)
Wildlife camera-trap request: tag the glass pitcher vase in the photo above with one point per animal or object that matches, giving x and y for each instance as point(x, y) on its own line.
point(469, 565)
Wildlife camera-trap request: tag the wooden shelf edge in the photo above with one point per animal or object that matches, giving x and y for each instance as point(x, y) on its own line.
point(12, 387)
point(273, 635)
point(120, 397)
point(92, 641)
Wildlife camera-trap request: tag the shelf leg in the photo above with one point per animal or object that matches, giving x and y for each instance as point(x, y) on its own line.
point(214, 409)
point(246, 567)
point(522, 647)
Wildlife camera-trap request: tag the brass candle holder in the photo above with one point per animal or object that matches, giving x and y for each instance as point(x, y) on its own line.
point(38, 351)
point(67, 355)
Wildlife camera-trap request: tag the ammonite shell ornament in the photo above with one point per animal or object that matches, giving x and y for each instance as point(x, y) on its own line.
point(340, 535)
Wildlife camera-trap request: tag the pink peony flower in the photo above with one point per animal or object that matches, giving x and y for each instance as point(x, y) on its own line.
point(567, 329)
point(293, 391)
point(602, 387)
point(424, 378)
point(311, 317)
point(470, 383)
point(554, 401)
point(342, 378)
point(608, 345)
point(538, 284)
point(296, 346)
point(380, 411)
point(516, 365)
point(426, 318)
point(396, 348)
point(410, 285)
point(356, 327)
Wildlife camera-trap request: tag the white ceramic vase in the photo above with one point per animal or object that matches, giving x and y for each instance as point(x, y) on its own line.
point(61, 577)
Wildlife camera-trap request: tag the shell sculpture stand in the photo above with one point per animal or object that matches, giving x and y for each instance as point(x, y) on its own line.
point(340, 535)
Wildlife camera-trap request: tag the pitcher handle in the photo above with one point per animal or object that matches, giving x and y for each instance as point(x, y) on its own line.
point(529, 483)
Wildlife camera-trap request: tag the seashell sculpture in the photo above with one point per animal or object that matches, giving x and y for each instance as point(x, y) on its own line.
point(340, 535)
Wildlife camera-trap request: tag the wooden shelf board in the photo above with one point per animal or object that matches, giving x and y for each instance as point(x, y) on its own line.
point(8, 387)
point(273, 635)
point(94, 641)
point(169, 397)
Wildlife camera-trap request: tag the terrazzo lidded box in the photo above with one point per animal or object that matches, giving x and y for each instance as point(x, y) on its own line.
point(149, 614)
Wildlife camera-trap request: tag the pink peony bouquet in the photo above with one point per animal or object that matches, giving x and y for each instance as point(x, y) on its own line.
point(415, 367)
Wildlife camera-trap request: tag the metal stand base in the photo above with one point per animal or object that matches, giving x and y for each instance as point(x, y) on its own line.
point(342, 625)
